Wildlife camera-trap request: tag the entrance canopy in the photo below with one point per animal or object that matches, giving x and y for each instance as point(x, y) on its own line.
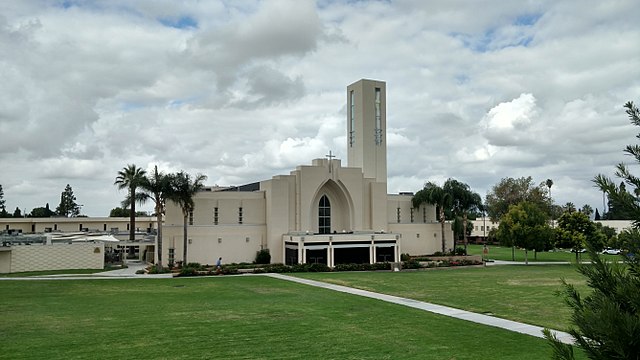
point(341, 248)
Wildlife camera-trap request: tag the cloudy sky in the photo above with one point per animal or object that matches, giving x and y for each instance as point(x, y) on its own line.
point(244, 90)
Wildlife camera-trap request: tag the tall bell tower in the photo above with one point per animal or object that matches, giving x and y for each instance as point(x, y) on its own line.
point(367, 128)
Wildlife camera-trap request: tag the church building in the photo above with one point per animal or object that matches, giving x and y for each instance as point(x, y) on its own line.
point(325, 212)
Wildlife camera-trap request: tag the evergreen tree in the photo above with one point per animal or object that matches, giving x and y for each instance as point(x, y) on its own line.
point(68, 206)
point(606, 321)
point(3, 209)
point(17, 213)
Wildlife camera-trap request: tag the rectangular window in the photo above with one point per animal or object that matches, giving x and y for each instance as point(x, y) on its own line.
point(55, 227)
point(352, 118)
point(240, 215)
point(411, 214)
point(378, 104)
point(398, 214)
point(104, 227)
point(190, 217)
point(215, 215)
point(424, 214)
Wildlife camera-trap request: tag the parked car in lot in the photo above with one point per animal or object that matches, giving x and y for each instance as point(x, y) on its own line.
point(610, 251)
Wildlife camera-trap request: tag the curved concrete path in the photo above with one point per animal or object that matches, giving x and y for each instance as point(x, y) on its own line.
point(436, 309)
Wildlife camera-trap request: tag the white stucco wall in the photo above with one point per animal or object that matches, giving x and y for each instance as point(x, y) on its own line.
point(55, 257)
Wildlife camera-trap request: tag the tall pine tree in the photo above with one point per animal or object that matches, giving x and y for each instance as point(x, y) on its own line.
point(3, 209)
point(68, 206)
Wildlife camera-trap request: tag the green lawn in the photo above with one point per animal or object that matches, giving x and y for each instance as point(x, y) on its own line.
point(516, 292)
point(504, 253)
point(54, 272)
point(235, 318)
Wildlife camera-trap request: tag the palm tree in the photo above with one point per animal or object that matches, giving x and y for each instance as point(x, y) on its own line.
point(183, 189)
point(549, 184)
point(464, 201)
point(157, 188)
point(587, 210)
point(131, 177)
point(436, 195)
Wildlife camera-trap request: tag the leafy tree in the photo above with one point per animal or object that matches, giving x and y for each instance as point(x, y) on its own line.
point(68, 206)
point(17, 213)
point(525, 225)
point(41, 212)
point(627, 240)
point(130, 178)
point(157, 187)
point(510, 191)
point(609, 233)
point(119, 212)
point(606, 322)
point(597, 215)
point(183, 189)
point(435, 195)
point(464, 201)
point(624, 201)
point(575, 229)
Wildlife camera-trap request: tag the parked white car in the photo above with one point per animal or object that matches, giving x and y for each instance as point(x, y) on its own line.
point(609, 251)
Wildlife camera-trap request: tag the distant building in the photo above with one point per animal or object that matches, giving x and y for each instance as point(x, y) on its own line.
point(482, 227)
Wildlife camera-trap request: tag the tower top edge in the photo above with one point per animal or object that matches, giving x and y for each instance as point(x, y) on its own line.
point(368, 81)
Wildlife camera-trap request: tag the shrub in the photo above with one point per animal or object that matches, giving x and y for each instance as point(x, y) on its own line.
point(381, 266)
point(459, 251)
point(405, 257)
point(318, 268)
point(299, 268)
point(411, 264)
point(154, 269)
point(141, 271)
point(263, 257)
point(229, 270)
point(195, 265)
point(188, 271)
point(277, 268)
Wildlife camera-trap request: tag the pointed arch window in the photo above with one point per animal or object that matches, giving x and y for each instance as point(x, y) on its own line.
point(324, 215)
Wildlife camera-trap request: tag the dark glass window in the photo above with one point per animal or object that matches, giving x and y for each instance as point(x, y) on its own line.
point(324, 215)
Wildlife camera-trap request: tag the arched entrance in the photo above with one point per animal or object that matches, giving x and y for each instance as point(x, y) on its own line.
point(332, 210)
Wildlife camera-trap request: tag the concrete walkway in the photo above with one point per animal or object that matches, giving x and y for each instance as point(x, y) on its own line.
point(505, 262)
point(126, 273)
point(436, 309)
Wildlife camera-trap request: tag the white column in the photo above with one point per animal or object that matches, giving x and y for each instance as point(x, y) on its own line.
point(372, 253)
point(331, 255)
point(300, 252)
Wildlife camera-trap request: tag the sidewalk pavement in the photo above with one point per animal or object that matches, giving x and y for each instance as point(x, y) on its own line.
point(437, 309)
point(505, 262)
point(125, 273)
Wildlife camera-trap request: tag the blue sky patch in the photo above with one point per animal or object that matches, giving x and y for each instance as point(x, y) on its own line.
point(527, 20)
point(183, 22)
